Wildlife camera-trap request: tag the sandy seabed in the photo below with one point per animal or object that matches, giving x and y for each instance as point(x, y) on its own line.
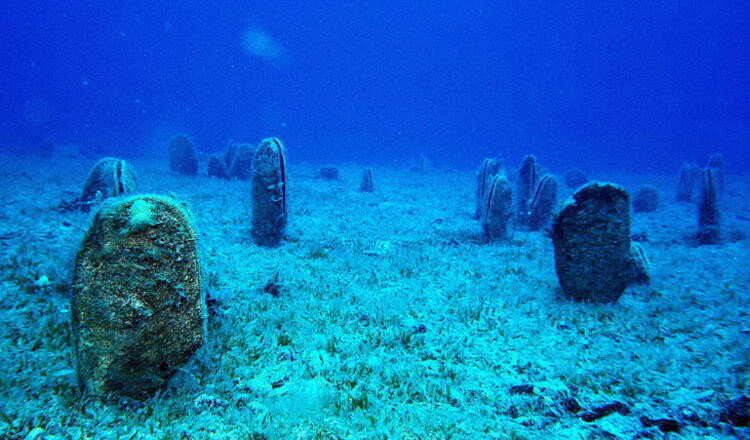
point(393, 318)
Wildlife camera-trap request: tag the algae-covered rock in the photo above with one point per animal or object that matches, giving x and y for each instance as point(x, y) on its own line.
point(487, 171)
point(527, 182)
point(216, 167)
point(239, 158)
point(709, 216)
point(183, 158)
point(269, 193)
point(646, 199)
point(231, 152)
point(138, 307)
point(689, 175)
point(498, 210)
point(716, 163)
point(111, 178)
point(591, 237)
point(545, 199)
point(365, 184)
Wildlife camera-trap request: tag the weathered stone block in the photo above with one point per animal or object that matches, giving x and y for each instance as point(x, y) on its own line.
point(646, 199)
point(269, 193)
point(111, 178)
point(544, 201)
point(138, 306)
point(591, 237)
point(498, 211)
point(487, 171)
point(183, 158)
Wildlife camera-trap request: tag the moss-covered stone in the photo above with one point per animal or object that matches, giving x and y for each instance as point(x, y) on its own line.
point(240, 157)
point(216, 167)
point(183, 158)
point(689, 175)
point(716, 163)
point(591, 237)
point(487, 171)
point(646, 199)
point(138, 307)
point(709, 217)
point(544, 201)
point(269, 193)
point(525, 186)
point(109, 177)
point(498, 209)
point(365, 184)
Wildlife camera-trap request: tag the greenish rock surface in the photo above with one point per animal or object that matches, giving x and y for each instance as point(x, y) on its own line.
point(183, 158)
point(487, 171)
point(269, 193)
point(216, 167)
point(591, 237)
point(646, 199)
point(525, 186)
point(138, 306)
point(239, 158)
point(709, 217)
point(498, 210)
point(111, 177)
point(544, 201)
point(689, 176)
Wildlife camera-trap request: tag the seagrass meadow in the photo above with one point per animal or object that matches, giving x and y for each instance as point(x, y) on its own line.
point(384, 315)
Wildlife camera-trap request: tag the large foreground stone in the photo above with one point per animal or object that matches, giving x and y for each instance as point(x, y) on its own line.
point(591, 236)
point(138, 308)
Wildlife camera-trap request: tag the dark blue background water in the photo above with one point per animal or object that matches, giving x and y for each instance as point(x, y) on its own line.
point(636, 85)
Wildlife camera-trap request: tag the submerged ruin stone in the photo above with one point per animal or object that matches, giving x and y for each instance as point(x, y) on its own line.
point(646, 199)
point(231, 152)
point(591, 237)
point(366, 184)
point(689, 175)
point(528, 179)
point(716, 163)
point(544, 201)
point(709, 216)
point(239, 158)
point(217, 167)
point(269, 193)
point(109, 177)
point(183, 158)
point(498, 210)
point(487, 171)
point(138, 307)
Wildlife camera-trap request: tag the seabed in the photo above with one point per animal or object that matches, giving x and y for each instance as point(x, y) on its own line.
point(384, 316)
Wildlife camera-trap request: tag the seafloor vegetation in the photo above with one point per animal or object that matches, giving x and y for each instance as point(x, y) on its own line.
point(383, 315)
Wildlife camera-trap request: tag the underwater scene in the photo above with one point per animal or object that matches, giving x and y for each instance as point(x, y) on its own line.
point(374, 220)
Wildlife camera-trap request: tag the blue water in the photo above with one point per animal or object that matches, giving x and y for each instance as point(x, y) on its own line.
point(635, 86)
